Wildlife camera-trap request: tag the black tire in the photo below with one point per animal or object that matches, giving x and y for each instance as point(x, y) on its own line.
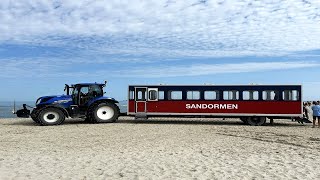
point(256, 121)
point(105, 112)
point(51, 116)
point(35, 119)
point(35, 116)
point(244, 120)
point(87, 120)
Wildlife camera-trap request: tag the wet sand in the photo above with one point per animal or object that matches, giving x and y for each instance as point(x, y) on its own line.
point(160, 148)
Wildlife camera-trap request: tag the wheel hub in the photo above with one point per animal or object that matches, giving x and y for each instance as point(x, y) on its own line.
point(51, 117)
point(105, 113)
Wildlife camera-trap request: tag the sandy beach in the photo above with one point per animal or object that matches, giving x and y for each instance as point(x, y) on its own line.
point(159, 148)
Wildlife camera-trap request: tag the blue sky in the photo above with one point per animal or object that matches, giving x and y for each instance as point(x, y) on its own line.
point(45, 44)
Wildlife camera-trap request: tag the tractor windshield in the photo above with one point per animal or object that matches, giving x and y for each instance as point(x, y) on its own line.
point(95, 91)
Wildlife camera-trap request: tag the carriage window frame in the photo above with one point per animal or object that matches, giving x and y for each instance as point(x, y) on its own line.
point(277, 92)
point(216, 95)
point(193, 95)
point(152, 94)
point(296, 98)
point(255, 95)
point(160, 95)
point(231, 91)
point(171, 93)
point(131, 95)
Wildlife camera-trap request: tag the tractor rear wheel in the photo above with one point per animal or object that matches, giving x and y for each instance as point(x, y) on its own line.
point(256, 121)
point(104, 112)
point(51, 116)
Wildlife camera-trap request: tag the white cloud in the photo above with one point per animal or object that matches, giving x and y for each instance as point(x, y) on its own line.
point(177, 28)
point(64, 68)
point(209, 69)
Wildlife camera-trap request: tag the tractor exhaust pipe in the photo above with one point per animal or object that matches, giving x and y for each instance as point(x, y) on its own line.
point(14, 107)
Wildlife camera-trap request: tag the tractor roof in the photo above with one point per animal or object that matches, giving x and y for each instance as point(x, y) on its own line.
point(87, 84)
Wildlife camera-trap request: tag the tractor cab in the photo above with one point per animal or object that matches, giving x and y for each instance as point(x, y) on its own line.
point(82, 94)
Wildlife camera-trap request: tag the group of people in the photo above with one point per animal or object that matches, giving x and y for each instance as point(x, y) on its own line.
point(312, 111)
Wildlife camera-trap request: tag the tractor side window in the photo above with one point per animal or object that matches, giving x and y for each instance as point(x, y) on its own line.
point(95, 90)
point(75, 91)
point(84, 90)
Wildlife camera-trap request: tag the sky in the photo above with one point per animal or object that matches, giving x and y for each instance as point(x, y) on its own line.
point(45, 44)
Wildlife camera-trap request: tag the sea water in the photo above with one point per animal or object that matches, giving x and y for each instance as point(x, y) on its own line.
point(6, 108)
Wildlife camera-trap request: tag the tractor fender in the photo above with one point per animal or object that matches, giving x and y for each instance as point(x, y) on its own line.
point(58, 106)
point(101, 99)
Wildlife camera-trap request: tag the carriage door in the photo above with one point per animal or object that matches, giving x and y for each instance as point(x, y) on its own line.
point(141, 99)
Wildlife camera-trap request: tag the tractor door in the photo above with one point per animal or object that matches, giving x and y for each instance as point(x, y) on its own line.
point(141, 99)
point(84, 95)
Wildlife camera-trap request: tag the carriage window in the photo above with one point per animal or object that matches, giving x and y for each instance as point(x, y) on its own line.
point(231, 95)
point(210, 95)
point(161, 95)
point(250, 95)
point(141, 94)
point(152, 95)
point(193, 94)
point(290, 95)
point(131, 95)
point(270, 95)
point(175, 95)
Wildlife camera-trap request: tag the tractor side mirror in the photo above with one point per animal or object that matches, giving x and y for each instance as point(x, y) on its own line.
point(66, 88)
point(105, 83)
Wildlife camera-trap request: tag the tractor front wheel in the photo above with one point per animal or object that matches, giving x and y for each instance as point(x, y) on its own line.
point(51, 116)
point(104, 112)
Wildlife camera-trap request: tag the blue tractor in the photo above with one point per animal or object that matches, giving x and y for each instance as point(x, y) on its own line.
point(84, 100)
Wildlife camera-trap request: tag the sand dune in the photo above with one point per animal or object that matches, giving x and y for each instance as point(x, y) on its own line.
point(159, 149)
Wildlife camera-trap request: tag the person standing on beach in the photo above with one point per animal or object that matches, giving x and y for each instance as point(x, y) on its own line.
point(308, 111)
point(316, 113)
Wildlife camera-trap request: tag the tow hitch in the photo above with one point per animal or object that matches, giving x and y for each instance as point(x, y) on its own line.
point(22, 113)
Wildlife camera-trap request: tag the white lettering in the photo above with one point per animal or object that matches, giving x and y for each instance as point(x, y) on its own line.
point(223, 106)
point(211, 106)
point(234, 106)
